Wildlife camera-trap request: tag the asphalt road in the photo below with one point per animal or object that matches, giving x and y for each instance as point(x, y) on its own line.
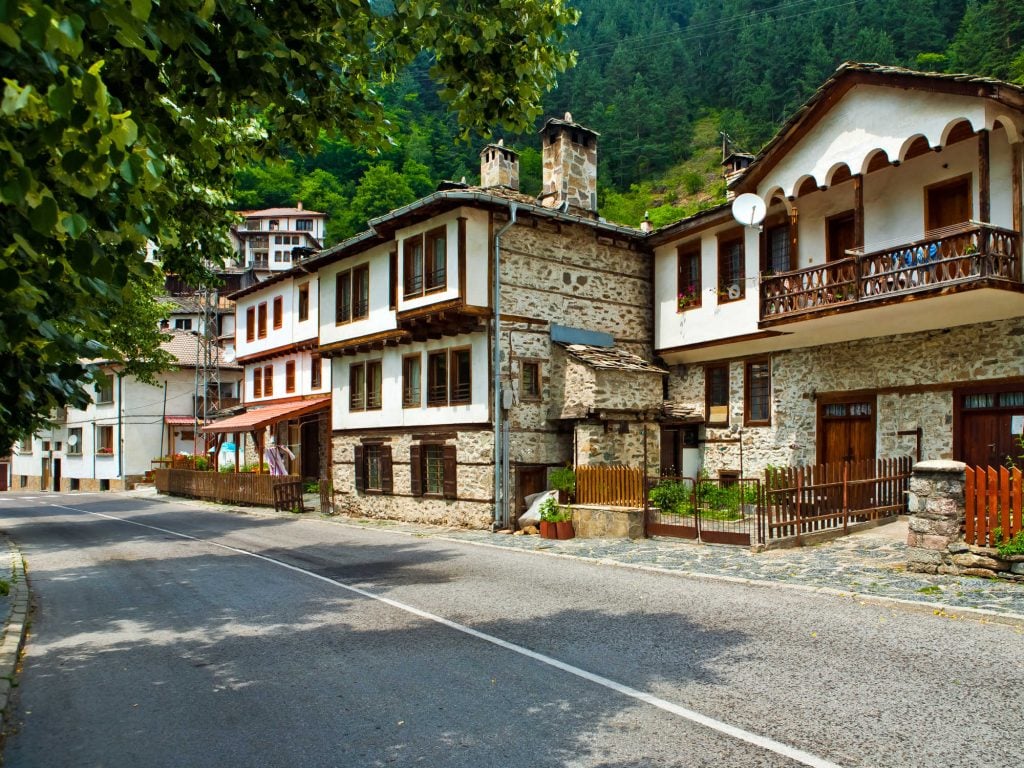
point(164, 635)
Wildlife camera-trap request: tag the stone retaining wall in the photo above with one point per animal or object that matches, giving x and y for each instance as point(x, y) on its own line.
point(935, 541)
point(592, 522)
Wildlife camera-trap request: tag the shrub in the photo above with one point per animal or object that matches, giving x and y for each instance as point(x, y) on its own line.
point(549, 511)
point(563, 479)
point(671, 497)
point(1011, 546)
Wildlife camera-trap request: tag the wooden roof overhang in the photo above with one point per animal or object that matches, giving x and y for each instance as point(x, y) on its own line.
point(284, 349)
point(265, 416)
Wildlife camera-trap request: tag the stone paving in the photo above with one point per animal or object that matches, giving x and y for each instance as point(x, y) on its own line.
point(870, 564)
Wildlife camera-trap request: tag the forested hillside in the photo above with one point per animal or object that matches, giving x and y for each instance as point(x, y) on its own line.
point(659, 80)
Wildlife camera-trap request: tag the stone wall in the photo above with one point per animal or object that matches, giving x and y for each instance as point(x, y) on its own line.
point(591, 522)
point(935, 540)
point(605, 442)
point(474, 507)
point(904, 361)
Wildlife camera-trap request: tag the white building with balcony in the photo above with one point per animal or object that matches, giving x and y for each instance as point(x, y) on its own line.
point(267, 239)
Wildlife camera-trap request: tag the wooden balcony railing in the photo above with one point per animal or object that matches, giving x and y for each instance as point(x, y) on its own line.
point(966, 254)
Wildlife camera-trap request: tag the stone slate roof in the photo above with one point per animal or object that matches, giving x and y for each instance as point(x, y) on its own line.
point(182, 345)
point(611, 359)
point(691, 412)
point(282, 212)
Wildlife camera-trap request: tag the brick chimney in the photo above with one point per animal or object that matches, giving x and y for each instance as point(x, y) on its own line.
point(499, 166)
point(570, 166)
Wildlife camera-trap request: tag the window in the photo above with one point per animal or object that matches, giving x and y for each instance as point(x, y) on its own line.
point(432, 470)
point(253, 225)
point(26, 447)
point(304, 225)
point(392, 280)
point(46, 446)
point(840, 235)
point(777, 246)
point(373, 468)
point(716, 394)
point(315, 372)
point(437, 378)
point(268, 380)
point(257, 382)
point(250, 324)
point(436, 259)
point(757, 393)
point(343, 297)
point(105, 441)
point(461, 377)
point(278, 312)
point(413, 266)
point(282, 257)
point(361, 292)
point(261, 322)
point(75, 441)
point(104, 388)
point(374, 381)
point(688, 281)
point(529, 380)
point(183, 324)
point(731, 282)
point(411, 380)
point(303, 302)
point(357, 387)
point(289, 376)
point(273, 225)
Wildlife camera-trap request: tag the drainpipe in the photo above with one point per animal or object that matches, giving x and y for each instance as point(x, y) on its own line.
point(501, 516)
point(120, 430)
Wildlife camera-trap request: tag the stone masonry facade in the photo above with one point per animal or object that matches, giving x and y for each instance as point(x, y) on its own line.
point(896, 365)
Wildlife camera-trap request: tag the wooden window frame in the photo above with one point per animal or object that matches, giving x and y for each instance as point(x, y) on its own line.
point(775, 223)
point(278, 312)
point(374, 395)
point(356, 383)
point(105, 446)
point(407, 401)
point(303, 302)
point(104, 389)
point(261, 320)
point(366, 454)
point(524, 394)
point(257, 382)
point(289, 376)
point(316, 372)
point(268, 380)
point(708, 387)
point(418, 470)
point(250, 324)
point(343, 302)
point(409, 248)
point(436, 402)
point(455, 398)
point(360, 286)
point(748, 381)
point(431, 271)
point(725, 242)
point(688, 288)
point(75, 450)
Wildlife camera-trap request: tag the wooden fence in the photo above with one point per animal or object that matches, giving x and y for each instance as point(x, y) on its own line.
point(832, 497)
point(237, 487)
point(993, 503)
point(610, 486)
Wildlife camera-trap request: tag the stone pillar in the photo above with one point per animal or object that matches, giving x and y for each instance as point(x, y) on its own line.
point(937, 514)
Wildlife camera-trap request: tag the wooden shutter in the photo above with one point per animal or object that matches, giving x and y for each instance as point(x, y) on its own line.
point(451, 487)
point(387, 483)
point(257, 382)
point(415, 471)
point(360, 469)
point(250, 324)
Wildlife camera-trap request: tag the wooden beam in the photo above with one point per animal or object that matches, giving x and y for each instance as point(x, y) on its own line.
point(984, 178)
point(858, 211)
point(1016, 168)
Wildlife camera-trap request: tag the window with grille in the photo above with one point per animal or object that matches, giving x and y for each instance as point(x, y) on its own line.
point(303, 302)
point(461, 377)
point(433, 469)
point(373, 468)
point(731, 282)
point(411, 381)
point(357, 387)
point(436, 259)
point(104, 388)
point(437, 378)
point(716, 393)
point(689, 279)
point(361, 292)
point(371, 457)
point(757, 390)
point(413, 272)
point(529, 380)
point(316, 372)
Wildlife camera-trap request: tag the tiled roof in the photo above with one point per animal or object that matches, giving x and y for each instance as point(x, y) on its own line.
point(282, 212)
point(183, 346)
point(610, 358)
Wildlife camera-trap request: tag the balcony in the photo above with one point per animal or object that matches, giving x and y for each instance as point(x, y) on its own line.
point(957, 258)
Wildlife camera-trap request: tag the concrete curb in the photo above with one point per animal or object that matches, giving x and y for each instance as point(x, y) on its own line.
point(944, 610)
point(14, 628)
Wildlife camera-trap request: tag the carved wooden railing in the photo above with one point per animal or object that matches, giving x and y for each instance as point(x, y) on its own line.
point(960, 255)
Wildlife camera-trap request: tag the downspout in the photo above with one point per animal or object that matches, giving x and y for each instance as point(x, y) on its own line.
point(120, 429)
point(500, 496)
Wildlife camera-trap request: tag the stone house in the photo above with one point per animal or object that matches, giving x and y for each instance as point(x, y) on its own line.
point(878, 311)
point(479, 317)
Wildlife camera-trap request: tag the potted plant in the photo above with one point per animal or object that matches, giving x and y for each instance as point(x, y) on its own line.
point(549, 514)
point(563, 524)
point(563, 480)
point(689, 297)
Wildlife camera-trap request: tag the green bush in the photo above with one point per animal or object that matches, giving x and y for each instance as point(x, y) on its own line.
point(563, 479)
point(1011, 546)
point(671, 497)
point(549, 511)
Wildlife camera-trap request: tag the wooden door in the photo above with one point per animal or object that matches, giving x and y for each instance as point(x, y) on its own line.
point(846, 431)
point(839, 235)
point(56, 475)
point(44, 481)
point(4, 470)
point(984, 422)
point(529, 480)
point(948, 203)
point(308, 454)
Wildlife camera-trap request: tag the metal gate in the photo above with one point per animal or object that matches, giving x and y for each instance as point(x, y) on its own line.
point(711, 510)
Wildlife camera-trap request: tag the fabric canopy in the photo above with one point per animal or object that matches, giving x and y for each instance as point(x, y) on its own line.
point(258, 418)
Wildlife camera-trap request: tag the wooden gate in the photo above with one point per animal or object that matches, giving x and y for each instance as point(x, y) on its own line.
point(993, 502)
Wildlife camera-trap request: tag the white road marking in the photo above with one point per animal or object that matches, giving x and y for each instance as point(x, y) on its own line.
point(757, 740)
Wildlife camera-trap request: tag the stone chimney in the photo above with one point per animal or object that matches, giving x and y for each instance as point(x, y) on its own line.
point(570, 166)
point(299, 205)
point(499, 166)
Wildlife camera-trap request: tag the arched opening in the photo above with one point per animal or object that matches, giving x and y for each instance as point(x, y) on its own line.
point(805, 186)
point(837, 174)
point(956, 131)
point(876, 161)
point(915, 146)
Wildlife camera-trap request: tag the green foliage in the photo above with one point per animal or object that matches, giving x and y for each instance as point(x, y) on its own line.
point(563, 479)
point(672, 497)
point(127, 123)
point(311, 487)
point(5, 587)
point(549, 511)
point(1012, 546)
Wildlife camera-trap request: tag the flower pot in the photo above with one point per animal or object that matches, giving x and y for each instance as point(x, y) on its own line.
point(565, 530)
point(548, 530)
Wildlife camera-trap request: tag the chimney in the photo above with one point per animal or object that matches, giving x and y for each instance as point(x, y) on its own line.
point(570, 166)
point(499, 166)
point(645, 225)
point(299, 206)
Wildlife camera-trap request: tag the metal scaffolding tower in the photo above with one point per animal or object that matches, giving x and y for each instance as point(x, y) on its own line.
point(207, 391)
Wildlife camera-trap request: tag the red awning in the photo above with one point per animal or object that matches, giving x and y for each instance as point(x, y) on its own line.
point(258, 418)
point(181, 421)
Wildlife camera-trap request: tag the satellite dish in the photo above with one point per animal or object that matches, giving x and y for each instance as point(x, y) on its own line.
point(749, 210)
point(734, 291)
point(228, 356)
point(73, 440)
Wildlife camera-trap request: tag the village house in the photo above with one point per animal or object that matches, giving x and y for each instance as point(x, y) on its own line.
point(267, 239)
point(112, 443)
point(878, 309)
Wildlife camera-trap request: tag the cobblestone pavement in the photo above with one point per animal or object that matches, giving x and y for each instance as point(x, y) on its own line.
point(869, 564)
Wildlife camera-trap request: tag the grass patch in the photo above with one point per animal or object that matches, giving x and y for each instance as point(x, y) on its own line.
point(931, 589)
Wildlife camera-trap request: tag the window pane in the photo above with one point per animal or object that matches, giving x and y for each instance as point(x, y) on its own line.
point(778, 249)
point(372, 458)
point(437, 378)
point(433, 461)
point(411, 382)
point(413, 266)
point(438, 260)
point(531, 380)
point(758, 392)
point(361, 292)
point(356, 388)
point(373, 384)
point(462, 387)
point(730, 270)
point(343, 297)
